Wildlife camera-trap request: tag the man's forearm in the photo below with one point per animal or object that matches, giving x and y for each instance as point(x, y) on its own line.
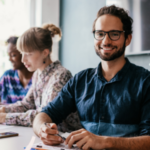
point(133, 143)
point(39, 120)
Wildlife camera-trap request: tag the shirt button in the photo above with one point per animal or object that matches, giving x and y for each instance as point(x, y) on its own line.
point(102, 117)
point(104, 100)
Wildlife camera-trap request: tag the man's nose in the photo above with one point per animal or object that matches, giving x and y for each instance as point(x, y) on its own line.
point(106, 39)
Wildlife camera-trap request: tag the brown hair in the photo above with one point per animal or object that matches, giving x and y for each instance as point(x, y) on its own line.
point(38, 38)
point(120, 13)
point(12, 40)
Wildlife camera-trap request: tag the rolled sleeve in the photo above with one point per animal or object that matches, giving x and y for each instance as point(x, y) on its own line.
point(63, 104)
point(23, 119)
point(145, 109)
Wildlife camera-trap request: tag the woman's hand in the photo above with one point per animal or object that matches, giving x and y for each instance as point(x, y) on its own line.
point(2, 117)
point(2, 109)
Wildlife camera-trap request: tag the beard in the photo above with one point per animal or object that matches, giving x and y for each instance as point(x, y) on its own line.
point(107, 56)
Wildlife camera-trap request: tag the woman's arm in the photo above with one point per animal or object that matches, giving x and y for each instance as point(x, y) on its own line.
point(24, 105)
point(23, 119)
point(23, 113)
point(56, 83)
point(19, 113)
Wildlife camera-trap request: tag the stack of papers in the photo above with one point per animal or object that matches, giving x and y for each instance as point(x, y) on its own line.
point(41, 146)
point(57, 147)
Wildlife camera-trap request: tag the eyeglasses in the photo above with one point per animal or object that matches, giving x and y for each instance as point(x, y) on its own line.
point(113, 35)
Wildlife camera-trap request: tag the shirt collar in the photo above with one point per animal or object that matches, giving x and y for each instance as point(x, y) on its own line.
point(118, 76)
point(48, 69)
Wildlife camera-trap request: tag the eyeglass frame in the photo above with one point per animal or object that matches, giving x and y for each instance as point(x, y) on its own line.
point(107, 33)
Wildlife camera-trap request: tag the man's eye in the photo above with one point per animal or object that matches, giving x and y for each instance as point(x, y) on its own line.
point(115, 34)
point(100, 34)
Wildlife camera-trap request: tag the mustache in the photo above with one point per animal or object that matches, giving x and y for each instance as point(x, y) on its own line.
point(109, 45)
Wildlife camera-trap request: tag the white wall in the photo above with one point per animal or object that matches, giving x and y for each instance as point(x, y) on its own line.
point(77, 45)
point(45, 11)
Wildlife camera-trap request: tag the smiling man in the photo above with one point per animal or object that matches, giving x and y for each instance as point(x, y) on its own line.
point(112, 100)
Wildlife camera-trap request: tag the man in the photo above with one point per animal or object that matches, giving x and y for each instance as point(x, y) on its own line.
point(112, 100)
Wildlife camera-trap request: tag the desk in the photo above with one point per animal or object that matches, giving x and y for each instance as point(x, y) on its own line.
point(17, 142)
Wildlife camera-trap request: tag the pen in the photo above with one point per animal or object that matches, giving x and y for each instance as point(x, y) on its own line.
point(61, 137)
point(30, 149)
point(56, 134)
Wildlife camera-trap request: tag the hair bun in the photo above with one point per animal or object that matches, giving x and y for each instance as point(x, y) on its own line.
point(53, 29)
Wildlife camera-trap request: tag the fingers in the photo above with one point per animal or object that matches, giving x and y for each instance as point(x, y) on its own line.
point(50, 137)
point(87, 146)
point(75, 137)
point(52, 125)
point(81, 143)
point(48, 134)
point(73, 133)
point(49, 129)
point(2, 109)
point(2, 117)
point(50, 142)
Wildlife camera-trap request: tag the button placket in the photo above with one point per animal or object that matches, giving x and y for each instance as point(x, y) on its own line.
point(104, 100)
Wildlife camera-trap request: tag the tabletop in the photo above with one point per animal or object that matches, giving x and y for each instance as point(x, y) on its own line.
point(17, 142)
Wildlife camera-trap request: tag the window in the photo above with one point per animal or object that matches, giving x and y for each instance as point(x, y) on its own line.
point(14, 20)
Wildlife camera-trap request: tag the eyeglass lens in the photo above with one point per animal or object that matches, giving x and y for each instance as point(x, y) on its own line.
point(113, 35)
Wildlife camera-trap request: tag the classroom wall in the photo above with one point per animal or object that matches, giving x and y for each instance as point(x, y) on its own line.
point(141, 60)
point(76, 49)
point(45, 11)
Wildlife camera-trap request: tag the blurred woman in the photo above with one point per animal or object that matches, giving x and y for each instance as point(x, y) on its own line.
point(15, 83)
point(49, 77)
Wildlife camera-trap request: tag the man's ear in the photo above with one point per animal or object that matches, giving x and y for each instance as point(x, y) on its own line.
point(128, 40)
point(46, 52)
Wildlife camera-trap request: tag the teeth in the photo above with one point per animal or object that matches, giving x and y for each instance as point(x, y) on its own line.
point(107, 49)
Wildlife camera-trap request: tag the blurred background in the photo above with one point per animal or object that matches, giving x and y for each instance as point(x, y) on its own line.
point(75, 18)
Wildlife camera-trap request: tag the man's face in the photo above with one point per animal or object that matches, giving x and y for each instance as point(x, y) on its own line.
point(108, 49)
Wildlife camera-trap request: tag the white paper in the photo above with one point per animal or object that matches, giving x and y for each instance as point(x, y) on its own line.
point(31, 143)
point(57, 147)
point(66, 134)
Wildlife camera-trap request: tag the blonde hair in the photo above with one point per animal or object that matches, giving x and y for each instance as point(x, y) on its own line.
point(38, 38)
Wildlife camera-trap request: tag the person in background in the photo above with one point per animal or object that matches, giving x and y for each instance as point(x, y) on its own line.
point(14, 83)
point(49, 78)
point(113, 99)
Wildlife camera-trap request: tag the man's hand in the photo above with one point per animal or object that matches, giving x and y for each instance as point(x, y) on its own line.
point(2, 117)
point(2, 109)
point(48, 135)
point(86, 140)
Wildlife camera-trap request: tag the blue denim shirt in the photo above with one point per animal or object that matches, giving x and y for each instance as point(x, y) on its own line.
point(120, 107)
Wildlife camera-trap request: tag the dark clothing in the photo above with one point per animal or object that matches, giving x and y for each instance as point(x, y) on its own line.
point(120, 107)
